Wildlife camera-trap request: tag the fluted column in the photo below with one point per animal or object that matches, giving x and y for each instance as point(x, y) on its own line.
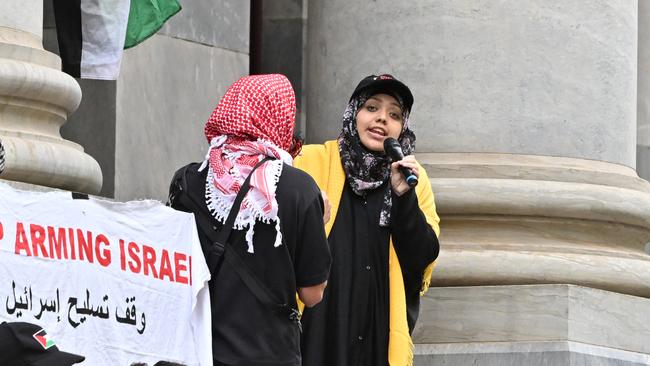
point(35, 101)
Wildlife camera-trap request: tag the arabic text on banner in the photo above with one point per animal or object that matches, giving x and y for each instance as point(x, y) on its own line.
point(116, 282)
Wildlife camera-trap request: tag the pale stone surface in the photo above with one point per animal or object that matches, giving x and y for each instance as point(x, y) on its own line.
point(11, 49)
point(522, 219)
point(219, 23)
point(507, 314)
point(492, 314)
point(35, 101)
point(643, 74)
point(160, 118)
point(48, 162)
point(530, 167)
point(525, 353)
point(643, 92)
point(528, 77)
point(532, 263)
point(24, 15)
point(51, 89)
point(605, 318)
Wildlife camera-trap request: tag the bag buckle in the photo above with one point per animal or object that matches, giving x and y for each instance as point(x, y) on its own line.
point(293, 314)
point(217, 249)
point(215, 253)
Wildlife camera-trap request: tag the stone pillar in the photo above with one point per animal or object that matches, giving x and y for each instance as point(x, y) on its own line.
point(525, 114)
point(643, 93)
point(284, 31)
point(35, 100)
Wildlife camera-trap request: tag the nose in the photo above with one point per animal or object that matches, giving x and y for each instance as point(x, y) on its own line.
point(382, 116)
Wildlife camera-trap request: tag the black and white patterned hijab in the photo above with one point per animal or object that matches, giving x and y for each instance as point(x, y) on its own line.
point(2, 157)
point(367, 170)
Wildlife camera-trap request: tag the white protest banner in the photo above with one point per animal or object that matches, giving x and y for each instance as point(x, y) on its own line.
point(115, 282)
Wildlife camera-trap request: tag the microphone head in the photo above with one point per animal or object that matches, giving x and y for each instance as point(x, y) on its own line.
point(393, 149)
point(389, 141)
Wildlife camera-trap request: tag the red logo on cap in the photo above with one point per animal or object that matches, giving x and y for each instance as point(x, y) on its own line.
point(385, 77)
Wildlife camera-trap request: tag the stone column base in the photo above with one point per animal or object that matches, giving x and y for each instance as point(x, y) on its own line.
point(525, 353)
point(510, 219)
point(36, 98)
point(532, 325)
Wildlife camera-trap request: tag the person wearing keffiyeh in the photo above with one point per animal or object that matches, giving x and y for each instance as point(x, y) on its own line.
point(278, 232)
point(254, 120)
point(383, 236)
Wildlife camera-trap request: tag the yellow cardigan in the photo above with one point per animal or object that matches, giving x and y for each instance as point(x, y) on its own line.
point(323, 163)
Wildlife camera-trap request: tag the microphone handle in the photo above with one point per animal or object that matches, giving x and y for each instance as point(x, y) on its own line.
point(411, 179)
point(396, 154)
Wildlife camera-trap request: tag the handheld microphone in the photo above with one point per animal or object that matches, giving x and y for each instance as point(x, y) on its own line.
point(394, 150)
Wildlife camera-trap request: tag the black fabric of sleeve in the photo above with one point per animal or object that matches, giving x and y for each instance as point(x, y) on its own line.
point(313, 259)
point(416, 244)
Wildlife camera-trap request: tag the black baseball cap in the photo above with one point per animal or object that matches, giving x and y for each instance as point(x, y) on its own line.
point(385, 83)
point(28, 344)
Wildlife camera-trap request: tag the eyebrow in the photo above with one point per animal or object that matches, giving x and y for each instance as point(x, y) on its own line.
point(392, 103)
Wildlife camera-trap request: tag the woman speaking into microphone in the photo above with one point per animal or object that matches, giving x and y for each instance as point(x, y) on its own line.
point(383, 234)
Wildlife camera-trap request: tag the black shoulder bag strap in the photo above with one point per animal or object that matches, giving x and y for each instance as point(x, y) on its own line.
point(218, 251)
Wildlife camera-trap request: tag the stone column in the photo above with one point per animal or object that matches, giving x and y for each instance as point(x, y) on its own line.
point(525, 113)
point(284, 31)
point(35, 100)
point(643, 93)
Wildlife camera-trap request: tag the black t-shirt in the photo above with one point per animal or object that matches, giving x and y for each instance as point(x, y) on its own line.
point(245, 331)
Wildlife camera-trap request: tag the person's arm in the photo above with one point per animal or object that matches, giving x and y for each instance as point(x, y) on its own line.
point(327, 207)
point(313, 258)
point(312, 295)
point(414, 226)
point(416, 244)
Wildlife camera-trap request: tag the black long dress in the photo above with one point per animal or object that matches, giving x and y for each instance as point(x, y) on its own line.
point(350, 326)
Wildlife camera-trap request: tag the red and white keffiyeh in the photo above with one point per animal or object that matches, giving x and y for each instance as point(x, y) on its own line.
point(253, 120)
